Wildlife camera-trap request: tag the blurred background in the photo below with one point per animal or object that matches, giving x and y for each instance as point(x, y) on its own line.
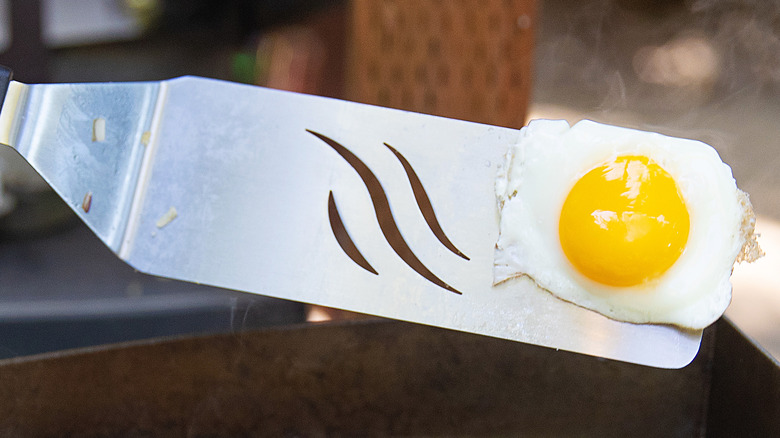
point(703, 69)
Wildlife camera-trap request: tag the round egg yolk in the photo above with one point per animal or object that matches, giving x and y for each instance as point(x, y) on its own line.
point(624, 222)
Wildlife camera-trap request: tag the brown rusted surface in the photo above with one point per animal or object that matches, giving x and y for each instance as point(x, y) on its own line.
point(461, 59)
point(360, 379)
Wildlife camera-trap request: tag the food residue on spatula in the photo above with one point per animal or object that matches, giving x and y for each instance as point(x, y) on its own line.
point(165, 219)
point(99, 129)
point(635, 225)
point(86, 203)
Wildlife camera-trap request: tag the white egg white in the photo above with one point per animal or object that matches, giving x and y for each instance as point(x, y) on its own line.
point(538, 174)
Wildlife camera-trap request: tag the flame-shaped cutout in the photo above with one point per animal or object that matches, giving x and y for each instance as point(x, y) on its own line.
point(384, 214)
point(426, 208)
point(342, 237)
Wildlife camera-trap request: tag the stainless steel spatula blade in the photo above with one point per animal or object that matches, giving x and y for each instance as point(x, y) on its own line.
point(335, 203)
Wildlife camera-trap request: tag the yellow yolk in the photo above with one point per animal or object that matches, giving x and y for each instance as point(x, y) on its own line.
point(624, 222)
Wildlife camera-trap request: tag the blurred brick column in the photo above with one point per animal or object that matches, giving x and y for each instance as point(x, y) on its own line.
point(461, 58)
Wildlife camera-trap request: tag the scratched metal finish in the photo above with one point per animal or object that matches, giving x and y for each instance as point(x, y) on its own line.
point(231, 187)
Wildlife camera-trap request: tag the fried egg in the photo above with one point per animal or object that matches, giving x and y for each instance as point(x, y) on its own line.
point(635, 225)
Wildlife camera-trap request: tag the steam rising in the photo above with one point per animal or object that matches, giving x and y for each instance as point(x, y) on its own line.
point(682, 62)
point(655, 49)
point(704, 69)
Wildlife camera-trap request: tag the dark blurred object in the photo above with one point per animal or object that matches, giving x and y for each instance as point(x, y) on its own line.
point(67, 290)
point(384, 378)
point(35, 213)
point(27, 55)
point(239, 18)
point(190, 37)
point(744, 398)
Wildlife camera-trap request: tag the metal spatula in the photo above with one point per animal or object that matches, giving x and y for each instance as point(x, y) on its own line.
point(304, 198)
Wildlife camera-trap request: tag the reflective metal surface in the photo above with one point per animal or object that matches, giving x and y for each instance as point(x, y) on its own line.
point(56, 135)
point(223, 184)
